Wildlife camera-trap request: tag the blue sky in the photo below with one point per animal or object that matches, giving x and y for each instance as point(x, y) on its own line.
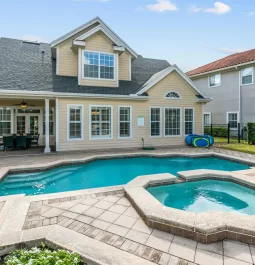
point(188, 33)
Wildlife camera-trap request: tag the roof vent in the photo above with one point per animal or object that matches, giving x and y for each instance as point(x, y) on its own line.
point(29, 46)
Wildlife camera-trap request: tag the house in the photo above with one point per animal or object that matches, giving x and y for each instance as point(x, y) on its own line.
point(230, 82)
point(89, 89)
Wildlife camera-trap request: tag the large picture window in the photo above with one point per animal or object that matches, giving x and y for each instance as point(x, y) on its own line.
point(5, 121)
point(172, 121)
point(98, 65)
point(155, 114)
point(189, 121)
point(75, 122)
point(101, 122)
point(233, 119)
point(51, 121)
point(125, 122)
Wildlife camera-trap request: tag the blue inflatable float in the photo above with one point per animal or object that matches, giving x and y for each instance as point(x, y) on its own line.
point(199, 140)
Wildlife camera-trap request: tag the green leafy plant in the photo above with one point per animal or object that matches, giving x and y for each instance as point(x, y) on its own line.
point(42, 256)
point(251, 132)
point(217, 131)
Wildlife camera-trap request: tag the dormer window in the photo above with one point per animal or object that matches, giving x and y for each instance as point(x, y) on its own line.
point(173, 95)
point(98, 65)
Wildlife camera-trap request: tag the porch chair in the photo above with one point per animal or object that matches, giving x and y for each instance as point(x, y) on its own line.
point(21, 142)
point(35, 140)
point(8, 142)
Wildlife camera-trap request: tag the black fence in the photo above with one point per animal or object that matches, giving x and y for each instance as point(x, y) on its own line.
point(228, 133)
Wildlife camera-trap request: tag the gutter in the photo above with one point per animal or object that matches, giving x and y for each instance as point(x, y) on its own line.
point(43, 94)
point(204, 100)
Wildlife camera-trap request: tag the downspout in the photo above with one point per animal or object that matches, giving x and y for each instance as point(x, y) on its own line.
point(240, 113)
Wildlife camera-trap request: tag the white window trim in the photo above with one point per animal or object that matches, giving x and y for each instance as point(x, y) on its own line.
point(131, 122)
point(104, 79)
point(193, 123)
point(180, 97)
point(181, 121)
point(238, 119)
point(209, 86)
point(68, 122)
point(241, 77)
point(100, 138)
point(210, 119)
point(160, 126)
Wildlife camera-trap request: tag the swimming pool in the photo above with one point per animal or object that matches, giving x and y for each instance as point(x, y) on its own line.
point(207, 195)
point(103, 173)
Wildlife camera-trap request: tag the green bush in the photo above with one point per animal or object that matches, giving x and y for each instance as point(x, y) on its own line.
point(217, 131)
point(251, 132)
point(42, 256)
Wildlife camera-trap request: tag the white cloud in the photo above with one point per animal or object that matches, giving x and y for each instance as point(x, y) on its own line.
point(219, 8)
point(251, 13)
point(228, 51)
point(34, 38)
point(162, 6)
point(194, 9)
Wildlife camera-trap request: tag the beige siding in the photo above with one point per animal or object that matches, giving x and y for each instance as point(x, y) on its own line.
point(139, 108)
point(124, 66)
point(68, 58)
point(99, 42)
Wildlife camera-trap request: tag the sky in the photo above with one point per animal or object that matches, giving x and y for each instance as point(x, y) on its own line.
point(189, 33)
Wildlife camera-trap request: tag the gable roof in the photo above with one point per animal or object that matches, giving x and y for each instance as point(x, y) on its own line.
point(103, 26)
point(231, 60)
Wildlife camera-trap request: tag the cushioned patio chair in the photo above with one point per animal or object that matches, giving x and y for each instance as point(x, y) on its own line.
point(35, 140)
point(8, 142)
point(21, 142)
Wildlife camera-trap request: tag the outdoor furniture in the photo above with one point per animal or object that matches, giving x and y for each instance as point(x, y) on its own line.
point(8, 142)
point(21, 142)
point(34, 140)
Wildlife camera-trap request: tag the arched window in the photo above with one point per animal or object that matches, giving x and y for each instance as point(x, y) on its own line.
point(173, 95)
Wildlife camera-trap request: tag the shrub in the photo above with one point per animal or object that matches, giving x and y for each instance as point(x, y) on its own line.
point(42, 256)
point(217, 131)
point(251, 132)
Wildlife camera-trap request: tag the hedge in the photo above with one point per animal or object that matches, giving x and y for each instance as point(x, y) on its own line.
point(217, 131)
point(251, 132)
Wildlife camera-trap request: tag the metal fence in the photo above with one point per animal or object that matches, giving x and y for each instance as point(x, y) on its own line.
point(228, 133)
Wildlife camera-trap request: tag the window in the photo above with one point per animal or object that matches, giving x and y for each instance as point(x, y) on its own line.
point(215, 80)
point(75, 122)
point(155, 121)
point(125, 122)
point(173, 95)
point(5, 121)
point(101, 122)
point(98, 65)
point(247, 76)
point(233, 119)
point(172, 121)
point(189, 121)
point(207, 118)
point(51, 121)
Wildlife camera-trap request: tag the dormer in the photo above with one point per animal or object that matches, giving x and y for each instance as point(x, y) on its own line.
point(94, 54)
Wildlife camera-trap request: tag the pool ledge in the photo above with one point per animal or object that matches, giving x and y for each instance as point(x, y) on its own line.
point(207, 227)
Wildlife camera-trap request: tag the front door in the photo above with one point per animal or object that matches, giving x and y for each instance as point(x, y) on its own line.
point(27, 123)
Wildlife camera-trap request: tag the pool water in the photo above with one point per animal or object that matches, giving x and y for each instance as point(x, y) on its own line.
point(207, 195)
point(102, 173)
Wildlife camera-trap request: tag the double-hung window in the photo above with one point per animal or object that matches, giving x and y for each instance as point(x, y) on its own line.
point(172, 122)
point(98, 65)
point(215, 80)
point(233, 119)
point(189, 121)
point(155, 114)
point(101, 122)
point(51, 123)
point(207, 118)
point(5, 121)
point(247, 76)
point(125, 122)
point(75, 122)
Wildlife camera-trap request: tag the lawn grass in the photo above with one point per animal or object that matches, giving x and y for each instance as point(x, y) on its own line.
point(246, 148)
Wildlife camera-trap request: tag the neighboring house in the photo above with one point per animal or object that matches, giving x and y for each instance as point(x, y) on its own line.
point(230, 82)
point(89, 90)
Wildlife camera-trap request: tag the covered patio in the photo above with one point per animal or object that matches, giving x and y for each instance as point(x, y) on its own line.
point(30, 117)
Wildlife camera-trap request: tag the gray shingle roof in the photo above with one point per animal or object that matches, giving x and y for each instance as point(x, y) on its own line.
point(29, 66)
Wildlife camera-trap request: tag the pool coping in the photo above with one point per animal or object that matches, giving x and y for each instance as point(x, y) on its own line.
point(206, 227)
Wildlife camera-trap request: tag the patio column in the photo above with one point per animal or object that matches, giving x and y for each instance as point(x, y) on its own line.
point(47, 127)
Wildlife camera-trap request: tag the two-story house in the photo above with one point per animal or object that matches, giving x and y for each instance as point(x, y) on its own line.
point(230, 82)
point(90, 90)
